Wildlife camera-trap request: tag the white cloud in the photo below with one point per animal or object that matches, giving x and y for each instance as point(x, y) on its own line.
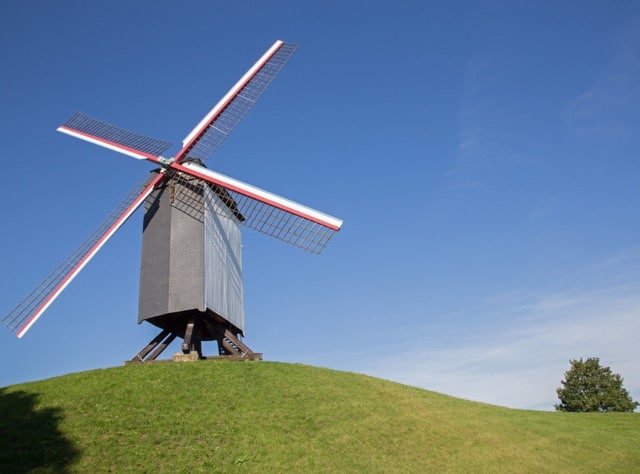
point(520, 366)
point(607, 107)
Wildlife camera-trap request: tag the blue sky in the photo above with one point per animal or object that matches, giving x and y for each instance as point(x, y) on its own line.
point(483, 155)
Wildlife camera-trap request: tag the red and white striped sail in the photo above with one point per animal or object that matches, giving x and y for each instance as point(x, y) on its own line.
point(207, 136)
point(114, 138)
point(269, 213)
point(23, 316)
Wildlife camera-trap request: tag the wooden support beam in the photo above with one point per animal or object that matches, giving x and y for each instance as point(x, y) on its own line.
point(187, 345)
point(192, 328)
point(241, 345)
point(229, 348)
point(161, 347)
point(139, 357)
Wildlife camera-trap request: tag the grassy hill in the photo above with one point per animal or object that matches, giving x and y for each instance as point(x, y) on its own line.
point(273, 417)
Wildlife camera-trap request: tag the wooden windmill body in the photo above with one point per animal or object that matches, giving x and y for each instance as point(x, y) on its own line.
point(191, 266)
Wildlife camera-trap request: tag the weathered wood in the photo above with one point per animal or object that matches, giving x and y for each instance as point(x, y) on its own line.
point(162, 346)
point(188, 334)
point(247, 357)
point(229, 348)
point(139, 357)
point(191, 328)
point(241, 345)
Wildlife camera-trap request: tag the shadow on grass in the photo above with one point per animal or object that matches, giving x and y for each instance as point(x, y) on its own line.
point(29, 437)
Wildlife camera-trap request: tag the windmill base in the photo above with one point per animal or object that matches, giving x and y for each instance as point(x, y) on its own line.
point(190, 328)
point(182, 357)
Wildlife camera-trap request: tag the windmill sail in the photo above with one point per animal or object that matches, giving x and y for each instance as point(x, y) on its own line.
point(203, 195)
point(109, 136)
point(207, 136)
point(269, 213)
point(23, 316)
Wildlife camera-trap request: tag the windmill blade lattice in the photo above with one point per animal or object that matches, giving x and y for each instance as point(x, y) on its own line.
point(138, 146)
point(260, 210)
point(231, 111)
point(283, 225)
point(27, 312)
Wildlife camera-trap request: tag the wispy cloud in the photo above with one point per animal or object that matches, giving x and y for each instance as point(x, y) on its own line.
point(605, 108)
point(477, 146)
point(520, 364)
point(488, 134)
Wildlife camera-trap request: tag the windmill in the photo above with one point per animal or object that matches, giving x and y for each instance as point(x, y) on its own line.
point(191, 266)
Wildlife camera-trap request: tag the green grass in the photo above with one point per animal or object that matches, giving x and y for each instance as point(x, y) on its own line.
point(273, 417)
